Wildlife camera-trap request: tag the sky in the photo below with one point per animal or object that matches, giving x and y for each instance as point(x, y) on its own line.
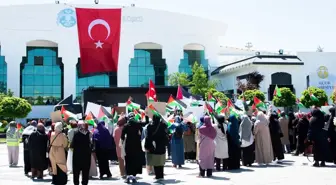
point(270, 25)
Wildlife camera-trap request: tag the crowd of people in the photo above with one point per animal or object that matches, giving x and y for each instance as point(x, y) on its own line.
point(217, 142)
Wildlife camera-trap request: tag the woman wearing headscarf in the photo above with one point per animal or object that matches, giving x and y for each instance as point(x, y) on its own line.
point(197, 138)
point(93, 166)
point(283, 121)
point(81, 145)
point(57, 155)
point(131, 140)
point(71, 132)
point(155, 144)
point(38, 142)
point(247, 140)
point(276, 134)
point(177, 143)
point(332, 133)
point(207, 135)
point(189, 142)
point(319, 137)
point(117, 135)
point(291, 133)
point(25, 137)
point(103, 146)
point(233, 143)
point(263, 143)
point(301, 134)
point(12, 140)
point(221, 150)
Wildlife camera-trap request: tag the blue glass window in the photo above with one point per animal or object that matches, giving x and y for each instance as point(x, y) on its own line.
point(93, 80)
point(3, 74)
point(189, 58)
point(147, 64)
point(42, 76)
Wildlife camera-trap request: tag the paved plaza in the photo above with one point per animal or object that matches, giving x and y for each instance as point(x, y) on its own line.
point(294, 170)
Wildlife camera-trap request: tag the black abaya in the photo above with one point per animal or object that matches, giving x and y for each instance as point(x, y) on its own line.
point(37, 150)
point(248, 155)
point(276, 135)
point(133, 149)
point(234, 154)
point(26, 156)
point(81, 161)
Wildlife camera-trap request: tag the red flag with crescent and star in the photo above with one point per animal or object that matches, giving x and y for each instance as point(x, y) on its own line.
point(99, 39)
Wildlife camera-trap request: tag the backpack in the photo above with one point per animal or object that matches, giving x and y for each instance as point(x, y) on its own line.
point(178, 134)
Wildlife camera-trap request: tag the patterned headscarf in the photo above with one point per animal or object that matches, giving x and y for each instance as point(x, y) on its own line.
point(82, 127)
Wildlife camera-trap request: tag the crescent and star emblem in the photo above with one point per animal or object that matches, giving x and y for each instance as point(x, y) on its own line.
point(95, 22)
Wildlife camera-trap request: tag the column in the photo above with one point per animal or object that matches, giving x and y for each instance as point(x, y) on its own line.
point(173, 56)
point(69, 59)
point(13, 53)
point(125, 54)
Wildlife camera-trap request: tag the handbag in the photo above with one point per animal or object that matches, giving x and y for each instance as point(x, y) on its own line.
point(49, 147)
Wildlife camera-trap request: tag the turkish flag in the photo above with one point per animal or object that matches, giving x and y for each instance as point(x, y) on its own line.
point(99, 38)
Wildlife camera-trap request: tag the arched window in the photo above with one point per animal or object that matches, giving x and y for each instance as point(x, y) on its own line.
point(3, 74)
point(93, 80)
point(193, 53)
point(148, 64)
point(281, 78)
point(42, 75)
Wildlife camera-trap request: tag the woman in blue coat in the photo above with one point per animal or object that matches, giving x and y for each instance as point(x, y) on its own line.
point(177, 147)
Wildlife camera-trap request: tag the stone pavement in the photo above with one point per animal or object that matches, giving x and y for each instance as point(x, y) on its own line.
point(294, 170)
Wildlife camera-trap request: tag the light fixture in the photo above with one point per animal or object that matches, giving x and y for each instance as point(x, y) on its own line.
point(132, 5)
point(57, 2)
point(281, 52)
point(257, 53)
point(96, 1)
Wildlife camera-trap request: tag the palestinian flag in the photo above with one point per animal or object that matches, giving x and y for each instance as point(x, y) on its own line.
point(259, 104)
point(229, 104)
point(173, 103)
point(208, 108)
point(219, 106)
point(114, 114)
point(169, 109)
point(194, 102)
point(279, 112)
point(89, 119)
point(169, 121)
point(102, 116)
point(151, 93)
point(69, 116)
point(130, 105)
point(179, 94)
point(63, 111)
point(313, 97)
point(300, 105)
point(211, 98)
point(191, 118)
point(19, 127)
point(254, 107)
point(277, 91)
point(154, 111)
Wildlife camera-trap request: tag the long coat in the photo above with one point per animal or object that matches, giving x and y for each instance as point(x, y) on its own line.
point(131, 135)
point(284, 129)
point(37, 144)
point(275, 132)
point(207, 152)
point(319, 136)
point(263, 144)
point(221, 151)
point(177, 146)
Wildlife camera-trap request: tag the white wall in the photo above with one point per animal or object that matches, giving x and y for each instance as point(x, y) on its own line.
point(22, 24)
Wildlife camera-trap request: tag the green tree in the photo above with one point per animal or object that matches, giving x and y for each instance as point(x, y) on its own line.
point(200, 84)
point(287, 98)
point(216, 94)
point(178, 78)
point(14, 107)
point(333, 96)
point(249, 94)
point(320, 94)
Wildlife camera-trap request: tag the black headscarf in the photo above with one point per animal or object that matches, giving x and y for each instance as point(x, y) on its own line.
point(221, 120)
point(317, 119)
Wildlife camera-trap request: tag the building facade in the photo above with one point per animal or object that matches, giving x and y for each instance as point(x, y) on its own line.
point(296, 70)
point(39, 52)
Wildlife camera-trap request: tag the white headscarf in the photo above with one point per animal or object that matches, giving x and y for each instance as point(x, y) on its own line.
point(58, 127)
point(261, 118)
